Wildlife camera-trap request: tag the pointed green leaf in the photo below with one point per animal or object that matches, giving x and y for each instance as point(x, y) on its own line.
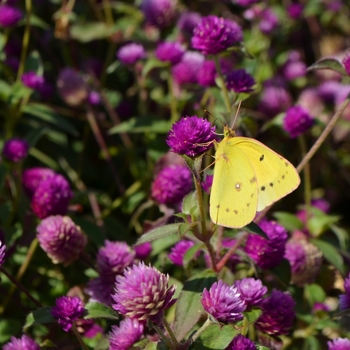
point(89, 31)
point(191, 253)
point(34, 63)
point(39, 316)
point(189, 202)
point(142, 125)
point(216, 337)
point(158, 233)
point(254, 228)
point(97, 310)
point(329, 63)
point(289, 221)
point(252, 315)
point(153, 63)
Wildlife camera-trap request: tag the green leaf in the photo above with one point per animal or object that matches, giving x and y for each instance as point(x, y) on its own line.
point(289, 221)
point(113, 97)
point(188, 306)
point(330, 253)
point(283, 272)
point(157, 233)
point(89, 31)
point(254, 228)
point(185, 228)
point(142, 125)
point(38, 22)
point(342, 236)
point(39, 316)
point(314, 293)
point(34, 63)
point(50, 116)
point(34, 135)
point(216, 337)
point(5, 90)
point(9, 327)
point(191, 253)
point(153, 63)
point(189, 202)
point(320, 221)
point(90, 229)
point(97, 310)
point(252, 315)
point(329, 63)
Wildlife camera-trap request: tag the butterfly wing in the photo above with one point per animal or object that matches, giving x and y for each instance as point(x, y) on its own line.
point(276, 176)
point(234, 193)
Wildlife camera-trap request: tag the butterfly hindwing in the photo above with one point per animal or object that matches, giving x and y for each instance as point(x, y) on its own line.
point(234, 193)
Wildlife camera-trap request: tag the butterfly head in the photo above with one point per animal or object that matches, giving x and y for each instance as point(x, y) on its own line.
point(229, 132)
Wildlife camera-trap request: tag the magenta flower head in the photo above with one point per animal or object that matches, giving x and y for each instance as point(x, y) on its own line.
point(143, 293)
point(172, 184)
point(51, 197)
point(159, 13)
point(67, 310)
point(179, 250)
point(72, 87)
point(143, 250)
point(223, 302)
point(240, 81)
point(245, 3)
point(268, 21)
point(207, 74)
point(33, 80)
point(240, 342)
point(267, 253)
point(23, 343)
point(294, 67)
point(251, 290)
point(215, 34)
point(130, 53)
point(191, 136)
point(15, 149)
point(339, 344)
point(297, 121)
point(32, 177)
point(2, 252)
point(9, 15)
point(188, 21)
point(295, 10)
point(61, 239)
point(207, 183)
point(94, 98)
point(128, 332)
point(170, 51)
point(346, 63)
point(344, 299)
point(278, 314)
point(274, 99)
point(187, 70)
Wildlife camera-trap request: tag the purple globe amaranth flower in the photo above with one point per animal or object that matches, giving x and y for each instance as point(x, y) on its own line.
point(94, 98)
point(295, 10)
point(328, 90)
point(2, 252)
point(67, 310)
point(130, 53)
point(215, 34)
point(245, 3)
point(187, 70)
point(128, 332)
point(159, 13)
point(223, 302)
point(207, 74)
point(278, 314)
point(320, 307)
point(191, 136)
point(72, 87)
point(170, 51)
point(344, 299)
point(240, 81)
point(33, 80)
point(240, 342)
point(32, 177)
point(172, 184)
point(143, 250)
point(15, 149)
point(23, 343)
point(274, 99)
point(339, 344)
point(251, 290)
point(51, 197)
point(267, 253)
point(294, 67)
point(61, 239)
point(143, 293)
point(297, 121)
point(188, 21)
point(268, 21)
point(9, 15)
point(305, 259)
point(310, 100)
point(179, 250)
point(207, 183)
point(346, 63)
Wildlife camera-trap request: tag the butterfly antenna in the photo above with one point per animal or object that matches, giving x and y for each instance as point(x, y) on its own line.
point(237, 112)
point(215, 119)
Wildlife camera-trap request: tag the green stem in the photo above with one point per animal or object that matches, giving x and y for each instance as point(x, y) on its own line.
point(173, 100)
point(25, 42)
point(166, 340)
point(201, 208)
point(244, 330)
point(222, 84)
point(78, 336)
point(170, 332)
point(205, 325)
point(108, 12)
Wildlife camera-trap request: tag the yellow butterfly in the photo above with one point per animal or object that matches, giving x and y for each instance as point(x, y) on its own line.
point(248, 177)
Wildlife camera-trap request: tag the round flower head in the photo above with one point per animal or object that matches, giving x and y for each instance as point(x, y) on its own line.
point(33, 80)
point(274, 99)
point(339, 344)
point(51, 197)
point(207, 183)
point(240, 342)
point(328, 90)
point(9, 15)
point(344, 299)
point(143, 293)
point(2, 252)
point(32, 177)
point(72, 87)
point(213, 35)
point(61, 239)
point(172, 184)
point(346, 63)
point(295, 10)
point(297, 121)
point(277, 314)
point(294, 68)
point(240, 81)
point(251, 290)
point(131, 53)
point(267, 253)
point(143, 250)
point(23, 343)
point(159, 13)
point(15, 149)
point(187, 70)
point(268, 21)
point(169, 51)
point(320, 307)
point(191, 136)
point(67, 310)
point(188, 21)
point(94, 98)
point(179, 250)
point(128, 332)
point(223, 302)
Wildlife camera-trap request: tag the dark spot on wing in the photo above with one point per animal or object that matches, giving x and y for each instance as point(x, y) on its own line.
point(235, 211)
point(261, 158)
point(283, 176)
point(262, 188)
point(253, 180)
point(218, 206)
point(248, 204)
point(286, 163)
point(271, 184)
point(227, 210)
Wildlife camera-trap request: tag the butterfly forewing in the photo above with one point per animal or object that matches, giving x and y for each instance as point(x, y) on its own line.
point(234, 193)
point(276, 176)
